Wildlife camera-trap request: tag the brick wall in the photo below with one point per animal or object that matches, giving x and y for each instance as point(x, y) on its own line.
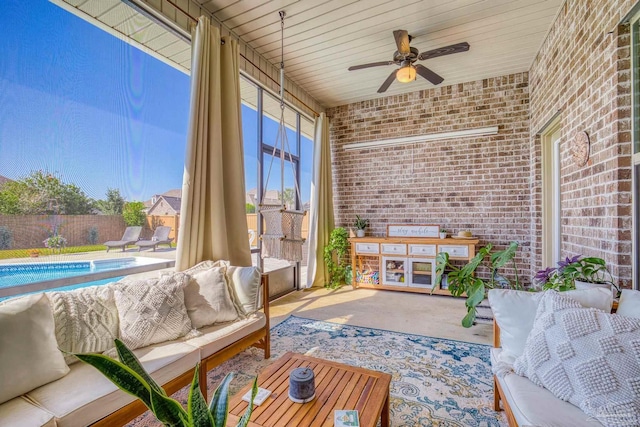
point(478, 183)
point(582, 71)
point(30, 230)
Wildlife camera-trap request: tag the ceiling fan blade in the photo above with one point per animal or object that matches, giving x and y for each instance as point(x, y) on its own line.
point(373, 64)
point(447, 50)
point(428, 74)
point(388, 82)
point(402, 41)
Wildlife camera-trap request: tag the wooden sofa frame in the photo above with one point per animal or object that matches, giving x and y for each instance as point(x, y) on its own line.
point(498, 393)
point(260, 339)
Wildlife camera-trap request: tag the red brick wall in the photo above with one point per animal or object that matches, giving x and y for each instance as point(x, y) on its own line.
point(478, 183)
point(30, 230)
point(583, 71)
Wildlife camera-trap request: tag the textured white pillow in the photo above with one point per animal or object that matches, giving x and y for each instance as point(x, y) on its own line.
point(29, 355)
point(208, 299)
point(629, 304)
point(586, 357)
point(152, 310)
point(205, 265)
point(245, 282)
point(86, 320)
point(515, 311)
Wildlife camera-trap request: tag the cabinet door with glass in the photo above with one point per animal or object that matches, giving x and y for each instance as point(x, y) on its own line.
point(394, 271)
point(422, 272)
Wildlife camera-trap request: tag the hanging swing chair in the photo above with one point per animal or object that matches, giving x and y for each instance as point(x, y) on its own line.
point(282, 236)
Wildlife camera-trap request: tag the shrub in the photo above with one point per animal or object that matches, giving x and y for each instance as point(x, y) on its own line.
point(335, 257)
point(133, 214)
point(6, 238)
point(92, 238)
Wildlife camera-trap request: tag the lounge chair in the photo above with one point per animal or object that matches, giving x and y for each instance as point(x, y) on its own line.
point(130, 236)
point(160, 236)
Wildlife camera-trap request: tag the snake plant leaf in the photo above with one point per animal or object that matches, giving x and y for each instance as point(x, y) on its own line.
point(168, 411)
point(121, 375)
point(220, 402)
point(199, 415)
point(128, 358)
point(247, 415)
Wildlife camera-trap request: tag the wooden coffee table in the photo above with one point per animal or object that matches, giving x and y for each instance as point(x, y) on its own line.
point(338, 386)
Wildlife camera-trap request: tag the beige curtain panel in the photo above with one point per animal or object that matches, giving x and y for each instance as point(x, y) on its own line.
point(321, 220)
point(213, 223)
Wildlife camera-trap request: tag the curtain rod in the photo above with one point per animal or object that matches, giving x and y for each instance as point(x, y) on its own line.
point(194, 19)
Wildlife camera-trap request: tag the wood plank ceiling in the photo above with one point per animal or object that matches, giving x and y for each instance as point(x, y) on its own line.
point(324, 37)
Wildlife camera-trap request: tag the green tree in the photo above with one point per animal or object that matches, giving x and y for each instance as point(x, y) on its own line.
point(250, 208)
point(289, 198)
point(133, 214)
point(114, 203)
point(43, 193)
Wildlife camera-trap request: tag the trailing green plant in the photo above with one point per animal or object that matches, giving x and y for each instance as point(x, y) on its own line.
point(563, 277)
point(464, 280)
point(6, 238)
point(92, 237)
point(335, 253)
point(130, 376)
point(361, 223)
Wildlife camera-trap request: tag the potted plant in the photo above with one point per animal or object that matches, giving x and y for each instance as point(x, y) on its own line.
point(131, 377)
point(360, 225)
point(577, 273)
point(335, 253)
point(55, 242)
point(464, 280)
point(443, 233)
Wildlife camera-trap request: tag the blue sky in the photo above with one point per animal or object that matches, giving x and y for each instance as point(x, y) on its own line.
point(94, 110)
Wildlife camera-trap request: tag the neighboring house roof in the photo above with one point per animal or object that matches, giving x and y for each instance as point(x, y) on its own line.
point(176, 192)
point(270, 198)
point(165, 205)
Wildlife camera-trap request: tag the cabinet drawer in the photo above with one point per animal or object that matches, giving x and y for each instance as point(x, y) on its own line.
point(388, 248)
point(455, 250)
point(422, 250)
point(367, 248)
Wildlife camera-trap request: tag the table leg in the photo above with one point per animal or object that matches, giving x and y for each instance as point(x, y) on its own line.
point(384, 417)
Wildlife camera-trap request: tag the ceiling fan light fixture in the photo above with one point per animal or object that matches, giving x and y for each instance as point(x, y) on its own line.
point(406, 74)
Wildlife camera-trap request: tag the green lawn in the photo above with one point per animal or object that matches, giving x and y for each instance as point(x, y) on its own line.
point(24, 253)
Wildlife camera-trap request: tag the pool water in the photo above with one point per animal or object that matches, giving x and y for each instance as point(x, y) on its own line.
point(21, 274)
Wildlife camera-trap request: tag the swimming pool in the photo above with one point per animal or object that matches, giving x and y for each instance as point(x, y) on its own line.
point(17, 279)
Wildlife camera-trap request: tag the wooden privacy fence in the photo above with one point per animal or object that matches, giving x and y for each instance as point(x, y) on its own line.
point(173, 221)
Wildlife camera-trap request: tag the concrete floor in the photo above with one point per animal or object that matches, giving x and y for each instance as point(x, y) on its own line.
point(430, 315)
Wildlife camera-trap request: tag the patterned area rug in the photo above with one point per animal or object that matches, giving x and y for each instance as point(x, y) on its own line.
point(436, 382)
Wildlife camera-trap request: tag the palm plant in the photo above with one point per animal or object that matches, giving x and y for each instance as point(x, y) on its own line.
point(131, 377)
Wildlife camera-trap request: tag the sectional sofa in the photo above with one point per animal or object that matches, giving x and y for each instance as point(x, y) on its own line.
point(563, 360)
point(207, 314)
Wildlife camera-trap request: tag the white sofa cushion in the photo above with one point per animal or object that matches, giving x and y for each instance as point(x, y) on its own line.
point(245, 282)
point(629, 304)
point(208, 299)
point(587, 357)
point(86, 320)
point(29, 355)
point(219, 336)
point(19, 412)
point(152, 310)
point(515, 311)
point(84, 395)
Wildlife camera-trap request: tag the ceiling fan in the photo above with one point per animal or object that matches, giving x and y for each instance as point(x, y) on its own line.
point(406, 55)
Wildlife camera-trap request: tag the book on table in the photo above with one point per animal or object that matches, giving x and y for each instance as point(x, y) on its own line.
point(346, 418)
point(262, 395)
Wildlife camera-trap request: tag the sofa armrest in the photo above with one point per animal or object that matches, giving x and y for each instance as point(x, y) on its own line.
point(496, 334)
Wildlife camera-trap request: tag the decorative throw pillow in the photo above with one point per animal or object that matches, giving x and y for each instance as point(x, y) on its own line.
point(629, 304)
point(205, 265)
point(152, 311)
point(245, 282)
point(29, 355)
point(208, 299)
point(515, 311)
point(586, 357)
point(86, 320)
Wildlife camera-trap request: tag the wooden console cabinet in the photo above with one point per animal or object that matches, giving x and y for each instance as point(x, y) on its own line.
point(405, 263)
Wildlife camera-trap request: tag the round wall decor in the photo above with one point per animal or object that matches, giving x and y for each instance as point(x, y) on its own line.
point(580, 148)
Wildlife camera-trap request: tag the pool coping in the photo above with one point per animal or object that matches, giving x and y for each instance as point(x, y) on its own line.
point(89, 277)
